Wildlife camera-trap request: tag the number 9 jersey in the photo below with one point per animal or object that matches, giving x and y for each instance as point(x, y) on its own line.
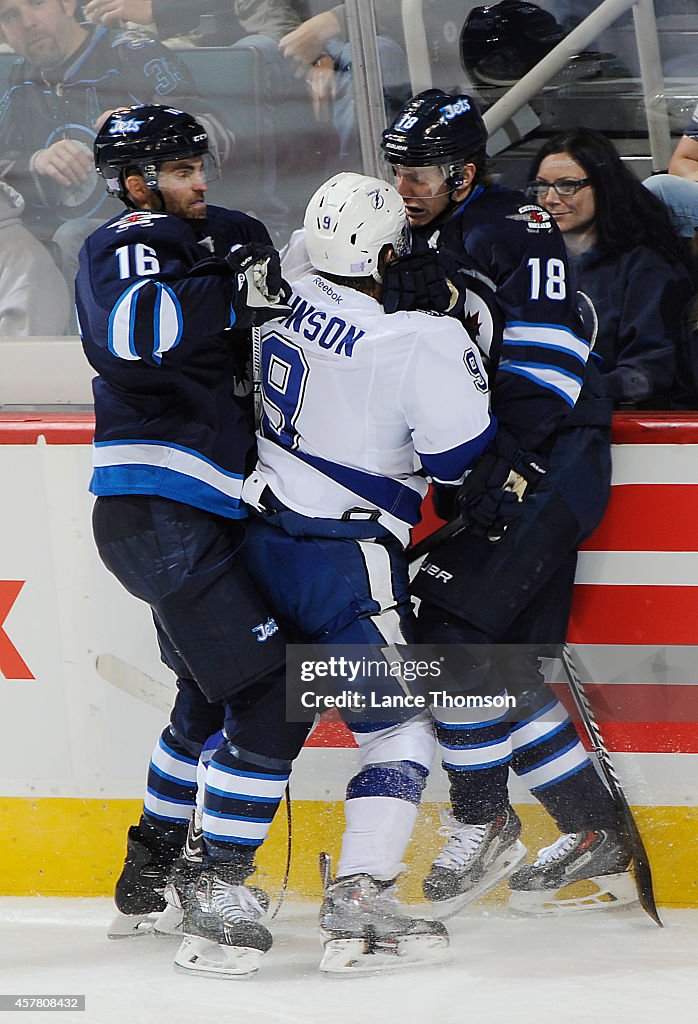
point(351, 395)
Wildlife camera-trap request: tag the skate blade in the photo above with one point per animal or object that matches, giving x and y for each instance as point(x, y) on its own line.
point(211, 960)
point(605, 892)
point(502, 866)
point(163, 924)
point(346, 957)
point(169, 922)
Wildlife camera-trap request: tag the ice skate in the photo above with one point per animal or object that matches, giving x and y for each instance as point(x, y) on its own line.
point(223, 933)
point(139, 893)
point(365, 930)
point(579, 871)
point(474, 860)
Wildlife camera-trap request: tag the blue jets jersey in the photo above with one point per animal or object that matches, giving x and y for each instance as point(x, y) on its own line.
point(155, 308)
point(515, 246)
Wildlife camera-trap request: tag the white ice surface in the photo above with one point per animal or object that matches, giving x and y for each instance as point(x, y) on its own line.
point(616, 967)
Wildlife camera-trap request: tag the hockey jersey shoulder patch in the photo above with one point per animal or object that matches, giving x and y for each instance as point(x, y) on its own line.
point(534, 217)
point(135, 219)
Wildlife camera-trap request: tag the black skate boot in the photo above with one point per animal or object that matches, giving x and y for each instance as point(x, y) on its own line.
point(223, 933)
point(579, 871)
point(474, 860)
point(139, 892)
point(364, 929)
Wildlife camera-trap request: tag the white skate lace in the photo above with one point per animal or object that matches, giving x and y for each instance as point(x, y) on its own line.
point(463, 841)
point(234, 902)
point(556, 850)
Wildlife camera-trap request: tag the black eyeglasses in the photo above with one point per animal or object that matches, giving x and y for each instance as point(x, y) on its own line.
point(564, 187)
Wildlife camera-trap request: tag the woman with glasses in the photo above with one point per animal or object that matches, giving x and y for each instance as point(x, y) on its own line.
point(628, 260)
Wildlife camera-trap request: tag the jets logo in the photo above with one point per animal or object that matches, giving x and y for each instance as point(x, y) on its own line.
point(125, 125)
point(265, 629)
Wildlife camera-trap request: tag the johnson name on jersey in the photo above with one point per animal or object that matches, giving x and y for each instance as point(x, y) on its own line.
point(155, 307)
point(351, 394)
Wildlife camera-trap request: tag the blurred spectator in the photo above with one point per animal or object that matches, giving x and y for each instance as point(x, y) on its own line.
point(230, 19)
point(33, 295)
point(679, 188)
point(321, 52)
point(69, 77)
point(628, 260)
point(316, 49)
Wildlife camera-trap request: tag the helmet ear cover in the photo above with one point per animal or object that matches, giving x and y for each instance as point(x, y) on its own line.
point(348, 223)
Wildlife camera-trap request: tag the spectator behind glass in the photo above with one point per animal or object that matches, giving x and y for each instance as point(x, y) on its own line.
point(69, 78)
point(315, 49)
point(628, 260)
point(33, 295)
point(321, 52)
point(679, 188)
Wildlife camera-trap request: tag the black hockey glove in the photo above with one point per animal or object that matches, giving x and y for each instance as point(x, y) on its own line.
point(261, 285)
point(491, 498)
point(417, 281)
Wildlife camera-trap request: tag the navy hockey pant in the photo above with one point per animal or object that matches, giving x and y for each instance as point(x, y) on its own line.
point(221, 640)
point(518, 592)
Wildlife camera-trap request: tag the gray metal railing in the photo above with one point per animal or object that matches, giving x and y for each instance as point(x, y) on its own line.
point(516, 98)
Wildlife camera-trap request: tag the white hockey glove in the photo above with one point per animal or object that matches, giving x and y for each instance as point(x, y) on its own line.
point(267, 293)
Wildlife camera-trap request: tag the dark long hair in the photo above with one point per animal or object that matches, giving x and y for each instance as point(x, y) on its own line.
point(627, 214)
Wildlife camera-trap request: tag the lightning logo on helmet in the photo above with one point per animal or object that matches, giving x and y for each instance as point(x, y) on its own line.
point(377, 200)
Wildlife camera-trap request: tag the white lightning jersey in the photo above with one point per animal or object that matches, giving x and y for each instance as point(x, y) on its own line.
point(351, 395)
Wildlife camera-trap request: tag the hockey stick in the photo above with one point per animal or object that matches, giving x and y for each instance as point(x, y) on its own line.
point(643, 872)
point(257, 374)
point(131, 680)
point(427, 544)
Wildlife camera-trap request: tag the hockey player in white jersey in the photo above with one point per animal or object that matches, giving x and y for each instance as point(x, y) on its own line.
point(352, 399)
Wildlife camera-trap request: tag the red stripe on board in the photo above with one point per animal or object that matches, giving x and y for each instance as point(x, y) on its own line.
point(650, 737)
point(634, 615)
point(648, 517)
point(655, 428)
point(620, 737)
point(639, 702)
point(330, 733)
point(68, 428)
point(636, 736)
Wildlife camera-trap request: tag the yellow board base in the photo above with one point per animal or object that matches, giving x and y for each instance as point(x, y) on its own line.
point(71, 847)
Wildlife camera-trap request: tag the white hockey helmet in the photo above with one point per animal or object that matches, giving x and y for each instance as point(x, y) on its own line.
point(349, 220)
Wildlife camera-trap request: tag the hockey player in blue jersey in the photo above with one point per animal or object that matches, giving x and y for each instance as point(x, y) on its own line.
point(350, 396)
point(164, 294)
point(507, 578)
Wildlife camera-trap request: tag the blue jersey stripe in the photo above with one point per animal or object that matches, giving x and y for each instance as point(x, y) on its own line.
point(449, 467)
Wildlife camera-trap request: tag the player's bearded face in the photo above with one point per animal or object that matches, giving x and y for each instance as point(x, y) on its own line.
point(424, 192)
point(183, 185)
